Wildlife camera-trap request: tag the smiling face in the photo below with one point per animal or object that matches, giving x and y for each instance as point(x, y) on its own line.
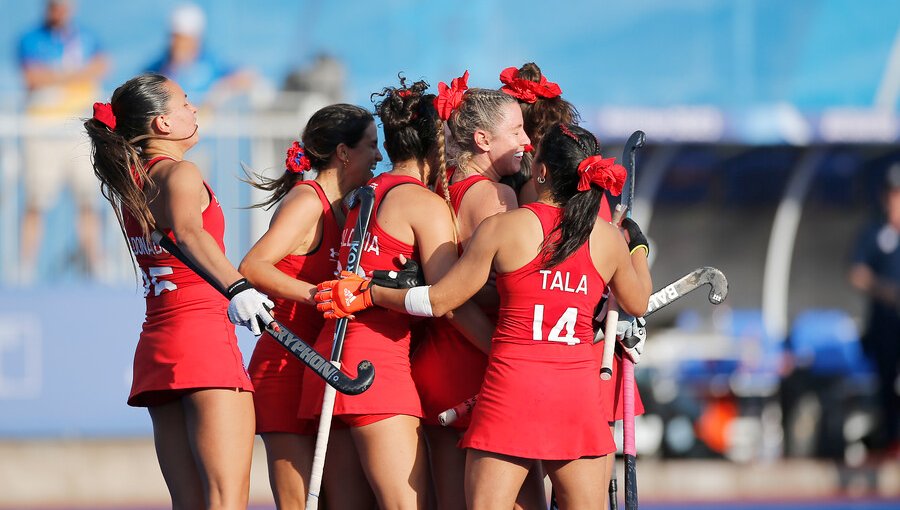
point(179, 123)
point(507, 141)
point(362, 158)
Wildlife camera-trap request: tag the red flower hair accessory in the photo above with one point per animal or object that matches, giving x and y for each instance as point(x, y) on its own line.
point(449, 98)
point(296, 161)
point(603, 172)
point(404, 93)
point(527, 90)
point(528, 148)
point(103, 112)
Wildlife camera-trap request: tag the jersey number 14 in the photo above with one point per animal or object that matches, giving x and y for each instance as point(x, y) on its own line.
point(563, 331)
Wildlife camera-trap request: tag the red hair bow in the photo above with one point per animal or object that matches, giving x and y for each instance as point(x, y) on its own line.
point(527, 90)
point(296, 161)
point(449, 98)
point(603, 172)
point(103, 112)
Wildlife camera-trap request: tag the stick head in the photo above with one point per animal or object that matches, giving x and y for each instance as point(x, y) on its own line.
point(636, 140)
point(718, 284)
point(355, 196)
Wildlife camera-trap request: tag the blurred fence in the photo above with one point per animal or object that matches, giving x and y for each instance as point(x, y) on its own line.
point(257, 138)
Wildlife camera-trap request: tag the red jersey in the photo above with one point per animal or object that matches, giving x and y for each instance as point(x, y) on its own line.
point(459, 188)
point(541, 394)
point(187, 340)
point(316, 266)
point(377, 334)
point(277, 375)
point(160, 270)
point(447, 368)
point(555, 304)
point(605, 212)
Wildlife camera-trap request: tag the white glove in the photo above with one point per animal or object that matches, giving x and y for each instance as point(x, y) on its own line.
point(631, 335)
point(247, 307)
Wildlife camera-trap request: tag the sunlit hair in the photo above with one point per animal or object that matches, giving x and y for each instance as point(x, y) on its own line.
point(481, 109)
point(116, 154)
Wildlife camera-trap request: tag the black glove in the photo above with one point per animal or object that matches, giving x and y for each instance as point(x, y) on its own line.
point(410, 276)
point(637, 239)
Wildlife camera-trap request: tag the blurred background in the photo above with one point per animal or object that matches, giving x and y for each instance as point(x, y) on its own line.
point(772, 128)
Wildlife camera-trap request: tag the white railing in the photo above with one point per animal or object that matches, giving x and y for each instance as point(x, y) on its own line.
point(257, 138)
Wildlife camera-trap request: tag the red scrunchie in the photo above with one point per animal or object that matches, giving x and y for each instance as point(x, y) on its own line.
point(103, 112)
point(296, 161)
point(601, 171)
point(449, 98)
point(527, 90)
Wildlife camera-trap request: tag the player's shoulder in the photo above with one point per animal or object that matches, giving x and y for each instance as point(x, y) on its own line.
point(486, 198)
point(414, 195)
point(489, 188)
point(168, 173)
point(301, 201)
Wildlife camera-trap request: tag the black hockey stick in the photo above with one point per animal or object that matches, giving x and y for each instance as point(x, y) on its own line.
point(635, 142)
point(365, 197)
point(293, 343)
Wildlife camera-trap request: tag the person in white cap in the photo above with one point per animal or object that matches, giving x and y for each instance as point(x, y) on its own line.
point(207, 80)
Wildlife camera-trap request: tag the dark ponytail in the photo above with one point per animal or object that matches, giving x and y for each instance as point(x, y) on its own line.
point(414, 130)
point(116, 153)
point(326, 129)
point(562, 150)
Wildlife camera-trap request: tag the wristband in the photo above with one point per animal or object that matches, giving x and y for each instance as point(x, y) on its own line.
point(644, 246)
point(418, 302)
point(237, 287)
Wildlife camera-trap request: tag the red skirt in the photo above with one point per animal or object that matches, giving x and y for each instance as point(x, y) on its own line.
point(277, 376)
point(187, 342)
point(540, 401)
point(383, 341)
point(447, 370)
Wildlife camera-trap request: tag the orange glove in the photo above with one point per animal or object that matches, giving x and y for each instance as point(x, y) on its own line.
point(337, 299)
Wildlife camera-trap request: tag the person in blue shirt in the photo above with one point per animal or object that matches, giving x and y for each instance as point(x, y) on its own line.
point(207, 80)
point(875, 271)
point(62, 66)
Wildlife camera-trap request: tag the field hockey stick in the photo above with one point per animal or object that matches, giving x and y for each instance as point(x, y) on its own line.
point(635, 142)
point(365, 197)
point(623, 209)
point(718, 290)
point(293, 343)
point(459, 410)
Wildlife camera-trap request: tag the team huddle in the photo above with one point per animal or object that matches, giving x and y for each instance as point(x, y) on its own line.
point(491, 248)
